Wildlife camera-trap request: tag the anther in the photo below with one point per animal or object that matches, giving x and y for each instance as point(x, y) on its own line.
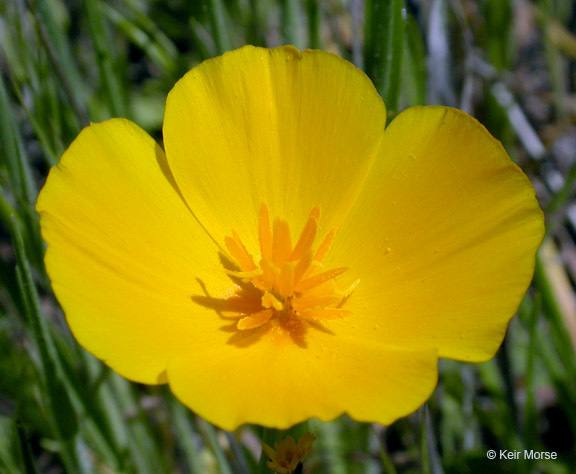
point(288, 277)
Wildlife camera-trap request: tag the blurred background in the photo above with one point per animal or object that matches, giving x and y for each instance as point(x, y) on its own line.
point(510, 63)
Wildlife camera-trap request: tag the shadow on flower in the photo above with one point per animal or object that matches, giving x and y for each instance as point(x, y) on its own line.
point(245, 301)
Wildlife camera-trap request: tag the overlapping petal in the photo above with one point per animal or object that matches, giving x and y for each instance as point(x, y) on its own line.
point(293, 130)
point(273, 381)
point(443, 238)
point(124, 252)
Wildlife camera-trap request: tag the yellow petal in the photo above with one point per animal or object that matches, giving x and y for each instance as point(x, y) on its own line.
point(124, 252)
point(277, 383)
point(321, 314)
point(443, 238)
point(290, 130)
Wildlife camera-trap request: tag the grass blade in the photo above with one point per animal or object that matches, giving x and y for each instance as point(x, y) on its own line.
point(58, 49)
point(210, 436)
point(62, 413)
point(219, 23)
point(384, 47)
point(430, 458)
point(289, 27)
point(188, 439)
point(440, 82)
point(414, 66)
point(105, 59)
point(12, 154)
point(27, 456)
point(314, 24)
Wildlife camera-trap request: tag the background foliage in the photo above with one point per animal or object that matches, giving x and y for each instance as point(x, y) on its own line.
point(509, 63)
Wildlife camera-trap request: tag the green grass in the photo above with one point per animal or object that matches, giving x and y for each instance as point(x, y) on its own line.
point(509, 63)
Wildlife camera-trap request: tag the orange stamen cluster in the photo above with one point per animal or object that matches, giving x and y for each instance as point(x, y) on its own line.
point(290, 278)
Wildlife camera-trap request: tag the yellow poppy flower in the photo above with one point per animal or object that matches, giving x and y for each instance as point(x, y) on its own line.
point(288, 457)
point(416, 242)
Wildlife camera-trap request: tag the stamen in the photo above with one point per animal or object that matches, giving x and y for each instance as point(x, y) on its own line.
point(239, 253)
point(286, 280)
point(301, 267)
point(270, 301)
point(270, 273)
point(325, 246)
point(319, 279)
point(315, 212)
point(255, 320)
point(347, 292)
point(309, 302)
point(265, 233)
point(288, 283)
point(306, 240)
point(282, 242)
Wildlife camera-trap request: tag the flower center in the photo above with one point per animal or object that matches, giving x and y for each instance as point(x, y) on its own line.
point(291, 281)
